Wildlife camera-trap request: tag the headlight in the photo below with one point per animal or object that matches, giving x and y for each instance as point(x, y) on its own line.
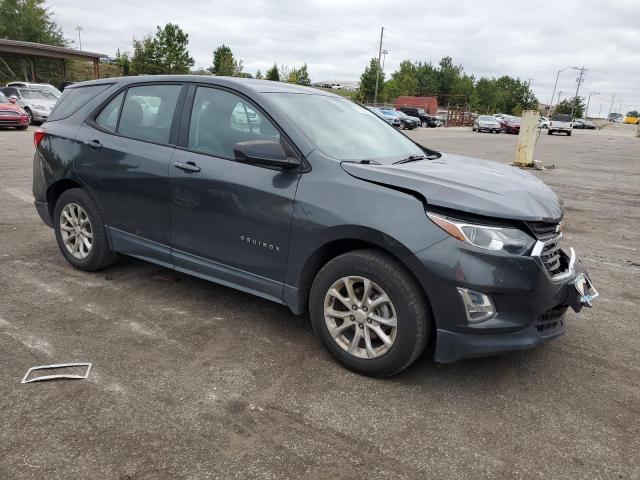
point(38, 107)
point(505, 239)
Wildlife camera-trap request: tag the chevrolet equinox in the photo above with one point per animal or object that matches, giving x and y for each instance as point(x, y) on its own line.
point(304, 198)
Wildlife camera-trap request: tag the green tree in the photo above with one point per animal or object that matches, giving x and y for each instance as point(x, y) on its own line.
point(368, 81)
point(273, 74)
point(447, 76)
point(225, 64)
point(426, 75)
point(633, 113)
point(122, 59)
point(573, 105)
point(299, 76)
point(404, 81)
point(30, 21)
point(259, 75)
point(164, 53)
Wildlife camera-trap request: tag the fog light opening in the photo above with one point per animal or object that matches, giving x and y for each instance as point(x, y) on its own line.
point(478, 306)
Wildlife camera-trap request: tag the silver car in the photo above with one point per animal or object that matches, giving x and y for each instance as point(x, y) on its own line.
point(37, 103)
point(37, 86)
point(487, 123)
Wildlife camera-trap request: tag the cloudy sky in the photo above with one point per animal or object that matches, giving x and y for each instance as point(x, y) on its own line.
point(527, 39)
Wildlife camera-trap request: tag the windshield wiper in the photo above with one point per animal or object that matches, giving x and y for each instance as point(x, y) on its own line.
point(411, 158)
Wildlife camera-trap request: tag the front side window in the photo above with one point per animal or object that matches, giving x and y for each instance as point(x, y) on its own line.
point(220, 119)
point(147, 112)
point(344, 130)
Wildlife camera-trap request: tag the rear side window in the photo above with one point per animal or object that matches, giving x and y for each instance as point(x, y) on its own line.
point(73, 98)
point(108, 118)
point(147, 112)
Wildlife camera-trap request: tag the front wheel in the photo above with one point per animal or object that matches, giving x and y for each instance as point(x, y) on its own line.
point(80, 231)
point(425, 124)
point(370, 313)
point(30, 115)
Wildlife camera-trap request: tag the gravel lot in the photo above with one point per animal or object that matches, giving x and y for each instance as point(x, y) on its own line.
point(193, 380)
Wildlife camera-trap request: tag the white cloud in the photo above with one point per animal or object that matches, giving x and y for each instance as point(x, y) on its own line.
point(530, 40)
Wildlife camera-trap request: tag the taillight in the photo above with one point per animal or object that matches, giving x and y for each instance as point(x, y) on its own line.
point(38, 135)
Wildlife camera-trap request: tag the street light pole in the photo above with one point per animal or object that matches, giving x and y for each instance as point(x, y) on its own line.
point(555, 85)
point(586, 113)
point(79, 29)
point(375, 94)
point(575, 99)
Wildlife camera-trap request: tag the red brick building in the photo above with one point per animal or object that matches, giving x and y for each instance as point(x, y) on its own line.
point(430, 104)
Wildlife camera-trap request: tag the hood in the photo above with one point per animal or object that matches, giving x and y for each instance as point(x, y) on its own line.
point(10, 107)
point(45, 103)
point(469, 184)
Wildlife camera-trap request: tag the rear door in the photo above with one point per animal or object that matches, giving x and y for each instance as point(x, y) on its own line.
point(126, 150)
point(230, 221)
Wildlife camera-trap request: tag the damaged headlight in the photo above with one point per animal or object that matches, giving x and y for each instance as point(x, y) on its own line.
point(506, 239)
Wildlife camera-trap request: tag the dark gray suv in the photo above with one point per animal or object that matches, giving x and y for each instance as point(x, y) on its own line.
point(307, 199)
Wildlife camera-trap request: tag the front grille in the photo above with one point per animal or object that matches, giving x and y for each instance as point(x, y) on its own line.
point(551, 321)
point(7, 113)
point(553, 258)
point(544, 230)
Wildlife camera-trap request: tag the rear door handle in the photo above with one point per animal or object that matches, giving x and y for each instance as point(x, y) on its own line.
point(93, 144)
point(187, 167)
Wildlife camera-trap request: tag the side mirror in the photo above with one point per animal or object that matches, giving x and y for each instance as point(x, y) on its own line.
point(266, 153)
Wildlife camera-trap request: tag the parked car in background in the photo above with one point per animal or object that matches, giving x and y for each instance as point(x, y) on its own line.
point(37, 86)
point(415, 120)
point(543, 122)
point(510, 124)
point(389, 245)
point(390, 119)
point(405, 122)
point(487, 124)
point(37, 103)
point(583, 124)
point(631, 120)
point(426, 120)
point(560, 122)
point(11, 115)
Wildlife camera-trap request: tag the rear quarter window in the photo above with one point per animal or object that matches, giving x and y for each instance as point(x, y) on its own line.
point(73, 98)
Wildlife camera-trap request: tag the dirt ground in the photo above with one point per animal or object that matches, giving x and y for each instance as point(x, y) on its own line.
point(193, 380)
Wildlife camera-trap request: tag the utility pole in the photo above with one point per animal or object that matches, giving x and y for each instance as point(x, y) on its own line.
point(375, 94)
point(586, 112)
point(613, 97)
point(575, 99)
point(79, 29)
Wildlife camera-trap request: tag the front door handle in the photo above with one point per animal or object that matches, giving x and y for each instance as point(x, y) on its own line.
point(93, 144)
point(187, 167)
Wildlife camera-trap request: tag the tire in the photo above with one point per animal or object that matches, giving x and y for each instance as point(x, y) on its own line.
point(99, 255)
point(402, 126)
point(550, 132)
point(407, 305)
point(568, 134)
point(22, 127)
point(473, 129)
point(424, 124)
point(30, 116)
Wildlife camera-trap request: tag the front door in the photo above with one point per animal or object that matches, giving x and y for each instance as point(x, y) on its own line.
point(230, 221)
point(124, 159)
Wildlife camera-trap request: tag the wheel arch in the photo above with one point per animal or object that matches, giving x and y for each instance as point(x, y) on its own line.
point(58, 188)
point(296, 294)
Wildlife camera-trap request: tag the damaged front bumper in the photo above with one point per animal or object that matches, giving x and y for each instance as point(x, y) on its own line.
point(530, 303)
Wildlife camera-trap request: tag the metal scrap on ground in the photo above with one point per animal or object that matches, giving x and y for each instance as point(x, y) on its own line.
point(57, 376)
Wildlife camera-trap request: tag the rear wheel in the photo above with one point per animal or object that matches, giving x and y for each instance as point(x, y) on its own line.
point(80, 231)
point(425, 124)
point(369, 312)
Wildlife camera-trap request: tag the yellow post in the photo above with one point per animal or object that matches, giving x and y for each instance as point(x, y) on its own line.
point(527, 138)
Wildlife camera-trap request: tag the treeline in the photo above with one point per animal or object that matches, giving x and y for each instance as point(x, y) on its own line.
point(451, 84)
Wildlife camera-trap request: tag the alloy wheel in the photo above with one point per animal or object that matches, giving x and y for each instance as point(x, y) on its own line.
point(76, 231)
point(360, 317)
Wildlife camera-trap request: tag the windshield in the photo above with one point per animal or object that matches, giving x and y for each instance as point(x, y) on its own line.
point(486, 118)
point(3, 99)
point(37, 95)
point(344, 130)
